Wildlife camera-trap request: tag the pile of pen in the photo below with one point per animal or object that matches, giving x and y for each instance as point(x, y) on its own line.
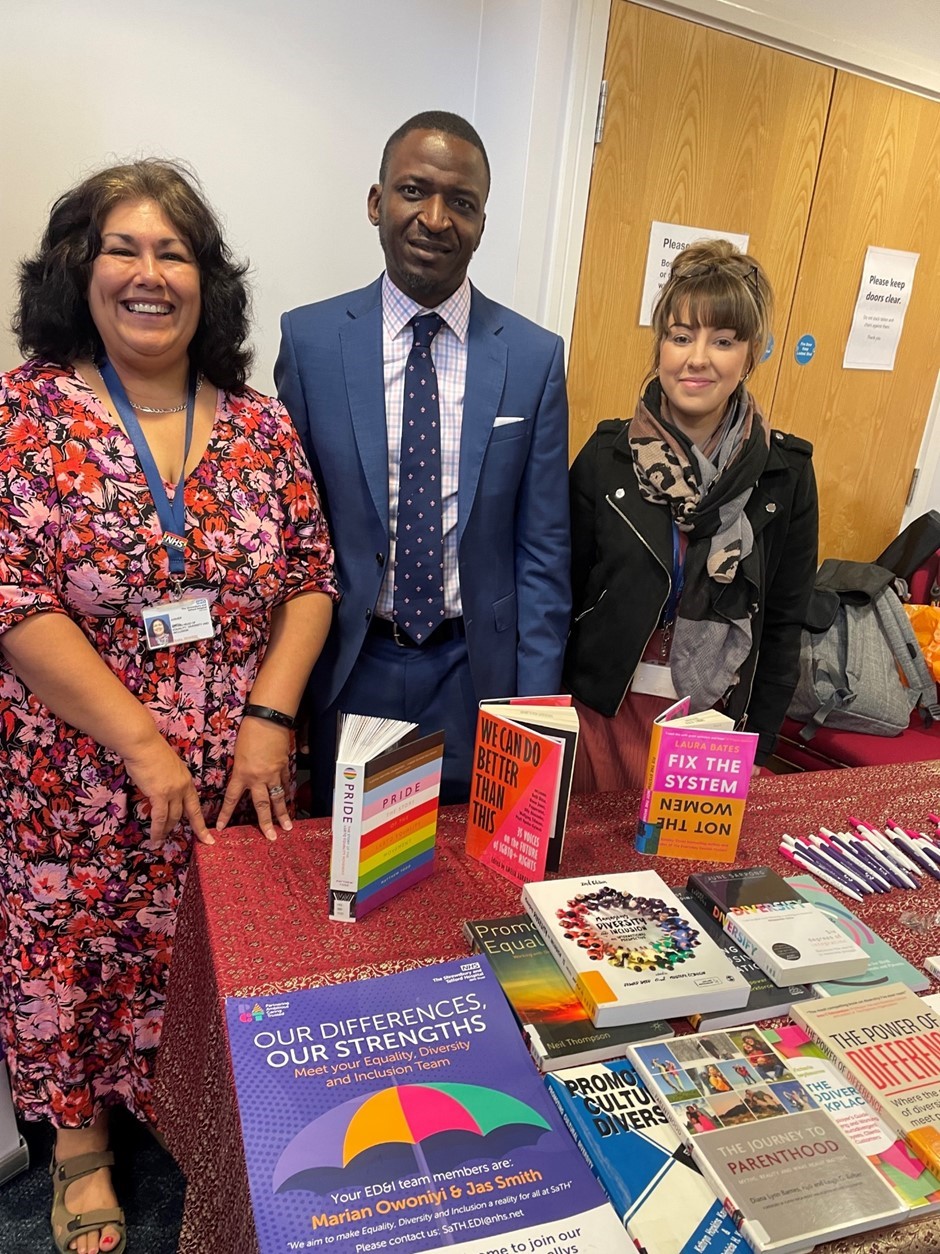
point(867, 859)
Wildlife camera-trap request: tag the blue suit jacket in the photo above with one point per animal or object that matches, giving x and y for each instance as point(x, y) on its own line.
point(513, 531)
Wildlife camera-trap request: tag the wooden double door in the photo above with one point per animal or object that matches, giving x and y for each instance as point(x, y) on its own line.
point(710, 130)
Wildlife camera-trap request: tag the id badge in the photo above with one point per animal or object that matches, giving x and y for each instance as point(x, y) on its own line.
point(654, 681)
point(178, 622)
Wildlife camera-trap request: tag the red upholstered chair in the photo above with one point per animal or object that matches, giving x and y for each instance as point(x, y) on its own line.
point(831, 749)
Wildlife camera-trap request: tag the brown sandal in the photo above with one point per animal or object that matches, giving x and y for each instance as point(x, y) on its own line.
point(66, 1225)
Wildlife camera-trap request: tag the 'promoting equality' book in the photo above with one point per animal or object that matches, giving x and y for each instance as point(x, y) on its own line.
point(385, 804)
point(787, 1174)
point(556, 1025)
point(404, 1113)
point(697, 777)
point(628, 949)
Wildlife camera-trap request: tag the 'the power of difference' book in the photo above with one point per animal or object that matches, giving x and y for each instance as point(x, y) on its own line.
point(887, 1041)
point(665, 1204)
point(628, 949)
point(912, 1182)
point(697, 777)
point(520, 785)
point(404, 1113)
point(787, 1174)
point(555, 1023)
point(786, 936)
point(385, 804)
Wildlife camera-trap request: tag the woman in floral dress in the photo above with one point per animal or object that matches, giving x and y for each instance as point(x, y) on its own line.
point(116, 746)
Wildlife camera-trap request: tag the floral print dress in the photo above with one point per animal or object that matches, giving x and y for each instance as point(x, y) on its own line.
point(87, 902)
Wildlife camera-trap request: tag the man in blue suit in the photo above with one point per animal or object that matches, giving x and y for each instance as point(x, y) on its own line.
point(481, 391)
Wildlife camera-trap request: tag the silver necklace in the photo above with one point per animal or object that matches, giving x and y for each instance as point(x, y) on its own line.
point(153, 409)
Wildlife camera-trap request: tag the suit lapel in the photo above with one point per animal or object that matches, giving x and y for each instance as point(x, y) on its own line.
point(486, 374)
point(361, 347)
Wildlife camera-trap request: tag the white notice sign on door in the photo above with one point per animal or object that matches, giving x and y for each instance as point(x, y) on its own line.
point(883, 296)
point(667, 240)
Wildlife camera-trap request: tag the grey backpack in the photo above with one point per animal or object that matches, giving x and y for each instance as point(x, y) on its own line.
point(856, 643)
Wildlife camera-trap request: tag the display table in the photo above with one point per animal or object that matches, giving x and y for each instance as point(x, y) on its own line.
point(253, 921)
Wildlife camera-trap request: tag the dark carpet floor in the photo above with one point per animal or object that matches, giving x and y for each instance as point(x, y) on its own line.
point(149, 1185)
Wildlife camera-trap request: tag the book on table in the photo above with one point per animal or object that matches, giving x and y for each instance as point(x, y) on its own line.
point(659, 1193)
point(917, 1187)
point(553, 1020)
point(404, 1113)
point(767, 1000)
point(385, 806)
point(885, 965)
point(520, 784)
point(887, 1042)
point(697, 777)
point(628, 950)
point(789, 938)
point(786, 1172)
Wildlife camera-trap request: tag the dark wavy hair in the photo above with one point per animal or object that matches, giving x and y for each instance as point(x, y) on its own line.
point(52, 319)
point(435, 120)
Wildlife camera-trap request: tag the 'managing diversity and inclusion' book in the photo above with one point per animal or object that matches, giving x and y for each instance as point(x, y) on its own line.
point(404, 1113)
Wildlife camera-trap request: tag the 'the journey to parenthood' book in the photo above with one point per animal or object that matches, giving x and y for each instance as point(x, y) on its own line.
point(786, 1172)
point(385, 804)
point(665, 1203)
point(520, 784)
point(404, 1113)
point(697, 777)
point(629, 951)
point(555, 1023)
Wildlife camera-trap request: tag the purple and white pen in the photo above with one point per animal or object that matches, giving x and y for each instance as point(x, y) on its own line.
point(912, 848)
point(829, 865)
point(797, 859)
point(869, 870)
point(904, 868)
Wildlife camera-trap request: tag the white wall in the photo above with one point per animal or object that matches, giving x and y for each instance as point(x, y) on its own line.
point(282, 107)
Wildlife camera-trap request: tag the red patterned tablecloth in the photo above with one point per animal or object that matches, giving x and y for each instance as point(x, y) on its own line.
point(254, 921)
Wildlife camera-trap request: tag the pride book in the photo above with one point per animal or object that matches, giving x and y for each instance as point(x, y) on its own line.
point(385, 804)
point(789, 939)
point(786, 1172)
point(885, 965)
point(887, 1042)
point(697, 777)
point(904, 1172)
point(553, 1020)
point(629, 951)
point(520, 785)
point(404, 1113)
point(767, 1000)
point(649, 1176)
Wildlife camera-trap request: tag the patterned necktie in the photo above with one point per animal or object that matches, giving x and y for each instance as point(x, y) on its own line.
point(419, 565)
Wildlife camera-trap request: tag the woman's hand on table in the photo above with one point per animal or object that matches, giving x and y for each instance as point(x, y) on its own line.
point(165, 781)
point(261, 767)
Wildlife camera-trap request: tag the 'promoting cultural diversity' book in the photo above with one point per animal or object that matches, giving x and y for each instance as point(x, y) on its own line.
point(629, 951)
point(912, 1182)
point(665, 1203)
point(790, 939)
point(887, 1042)
point(885, 965)
point(404, 1113)
point(697, 777)
point(556, 1025)
point(786, 1172)
point(385, 805)
point(520, 784)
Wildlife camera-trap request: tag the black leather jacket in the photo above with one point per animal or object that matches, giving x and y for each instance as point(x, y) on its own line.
point(622, 571)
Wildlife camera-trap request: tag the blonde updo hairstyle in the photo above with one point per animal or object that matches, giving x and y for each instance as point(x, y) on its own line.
point(712, 284)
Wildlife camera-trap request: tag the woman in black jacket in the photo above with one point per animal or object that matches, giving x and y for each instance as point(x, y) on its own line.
point(694, 532)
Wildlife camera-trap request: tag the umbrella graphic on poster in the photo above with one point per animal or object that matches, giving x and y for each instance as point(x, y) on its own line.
point(398, 1130)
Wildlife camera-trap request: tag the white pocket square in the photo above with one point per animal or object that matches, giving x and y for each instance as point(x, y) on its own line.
point(504, 422)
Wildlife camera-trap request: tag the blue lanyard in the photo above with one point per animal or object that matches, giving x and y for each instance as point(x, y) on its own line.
point(172, 514)
point(678, 580)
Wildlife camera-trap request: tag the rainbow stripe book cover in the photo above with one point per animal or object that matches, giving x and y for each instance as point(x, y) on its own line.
point(404, 1113)
point(384, 825)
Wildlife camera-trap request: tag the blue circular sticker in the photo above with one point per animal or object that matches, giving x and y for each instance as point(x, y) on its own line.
point(769, 349)
point(805, 348)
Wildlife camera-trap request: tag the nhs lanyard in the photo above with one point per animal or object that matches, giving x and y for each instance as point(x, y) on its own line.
point(671, 608)
point(172, 514)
